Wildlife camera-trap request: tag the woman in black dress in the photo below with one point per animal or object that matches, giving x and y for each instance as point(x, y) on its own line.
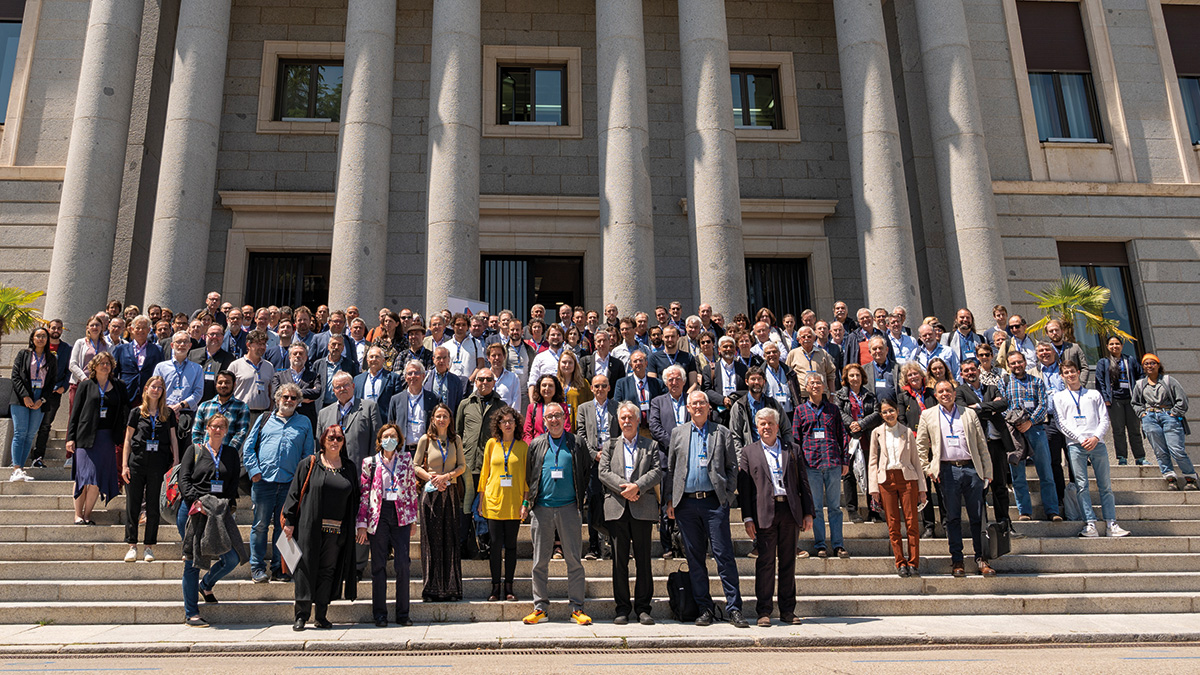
point(97, 423)
point(439, 461)
point(319, 515)
point(151, 449)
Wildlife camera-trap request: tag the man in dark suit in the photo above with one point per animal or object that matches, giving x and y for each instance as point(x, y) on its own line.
point(701, 478)
point(989, 404)
point(639, 388)
point(666, 412)
point(375, 383)
point(629, 471)
point(337, 326)
point(745, 409)
point(728, 379)
point(334, 361)
point(412, 408)
point(776, 506)
point(602, 362)
point(448, 387)
point(136, 360)
point(881, 370)
point(867, 329)
point(212, 358)
point(595, 423)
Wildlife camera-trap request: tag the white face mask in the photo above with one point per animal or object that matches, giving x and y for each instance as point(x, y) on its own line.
point(390, 444)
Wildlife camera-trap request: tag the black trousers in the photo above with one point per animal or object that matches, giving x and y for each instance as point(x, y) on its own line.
point(1058, 454)
point(145, 485)
point(595, 512)
point(503, 534)
point(625, 532)
point(390, 535)
point(933, 489)
point(326, 551)
point(999, 481)
point(778, 540)
point(666, 526)
point(49, 410)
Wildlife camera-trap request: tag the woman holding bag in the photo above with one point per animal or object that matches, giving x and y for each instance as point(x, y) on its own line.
point(439, 462)
point(386, 511)
point(320, 510)
point(151, 449)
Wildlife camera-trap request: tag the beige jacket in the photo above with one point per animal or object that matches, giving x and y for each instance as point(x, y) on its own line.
point(910, 458)
point(929, 442)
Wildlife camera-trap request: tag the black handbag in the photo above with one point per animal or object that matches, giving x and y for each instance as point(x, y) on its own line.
point(996, 540)
point(680, 597)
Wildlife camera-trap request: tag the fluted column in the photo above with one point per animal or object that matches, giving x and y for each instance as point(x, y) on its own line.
point(885, 239)
point(710, 156)
point(626, 211)
point(976, 255)
point(81, 264)
point(452, 259)
point(183, 210)
point(360, 212)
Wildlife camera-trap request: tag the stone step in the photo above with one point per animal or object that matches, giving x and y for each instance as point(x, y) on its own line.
point(1095, 564)
point(281, 611)
point(601, 586)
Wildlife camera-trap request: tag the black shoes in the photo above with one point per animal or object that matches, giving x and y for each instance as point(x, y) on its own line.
point(324, 624)
point(928, 532)
point(736, 618)
point(381, 623)
point(902, 570)
point(705, 618)
point(621, 620)
point(299, 625)
point(645, 619)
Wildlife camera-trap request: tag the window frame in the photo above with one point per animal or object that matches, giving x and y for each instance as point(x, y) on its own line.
point(533, 70)
point(1192, 122)
point(743, 82)
point(280, 93)
point(275, 51)
point(788, 116)
point(1061, 107)
point(570, 59)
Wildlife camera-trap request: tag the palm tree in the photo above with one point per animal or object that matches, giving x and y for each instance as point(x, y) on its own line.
point(16, 314)
point(1074, 295)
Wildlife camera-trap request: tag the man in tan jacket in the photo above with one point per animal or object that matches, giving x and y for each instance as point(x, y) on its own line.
point(954, 453)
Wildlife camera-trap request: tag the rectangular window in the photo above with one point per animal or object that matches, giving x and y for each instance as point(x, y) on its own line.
point(11, 14)
point(778, 283)
point(531, 95)
point(518, 282)
point(1103, 264)
point(1060, 72)
point(287, 279)
point(309, 91)
point(1183, 27)
point(755, 99)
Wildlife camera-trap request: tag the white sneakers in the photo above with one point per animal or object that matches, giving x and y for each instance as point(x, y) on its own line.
point(1089, 531)
point(149, 555)
point(18, 474)
point(1115, 530)
point(131, 554)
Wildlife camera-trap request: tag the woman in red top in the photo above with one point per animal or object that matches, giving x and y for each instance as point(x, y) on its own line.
point(548, 390)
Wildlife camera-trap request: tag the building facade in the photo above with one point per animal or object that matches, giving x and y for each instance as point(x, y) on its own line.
point(926, 153)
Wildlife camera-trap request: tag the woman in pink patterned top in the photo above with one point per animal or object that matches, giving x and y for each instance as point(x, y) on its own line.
point(385, 517)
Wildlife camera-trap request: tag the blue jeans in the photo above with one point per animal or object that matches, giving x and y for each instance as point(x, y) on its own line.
point(1036, 438)
point(961, 484)
point(25, 427)
point(1079, 464)
point(826, 487)
point(268, 501)
point(702, 522)
point(191, 575)
point(1164, 432)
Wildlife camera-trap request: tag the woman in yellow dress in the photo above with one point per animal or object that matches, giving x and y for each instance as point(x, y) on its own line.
point(502, 485)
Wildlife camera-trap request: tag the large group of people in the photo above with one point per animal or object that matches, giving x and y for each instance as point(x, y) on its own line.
point(344, 435)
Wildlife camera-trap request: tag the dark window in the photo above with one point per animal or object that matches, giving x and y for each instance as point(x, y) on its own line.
point(287, 279)
point(518, 282)
point(309, 91)
point(1104, 264)
point(11, 14)
point(532, 95)
point(1183, 27)
point(778, 283)
point(755, 99)
point(1060, 72)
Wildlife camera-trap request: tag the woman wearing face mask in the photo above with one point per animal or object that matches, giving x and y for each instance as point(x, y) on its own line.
point(1161, 403)
point(894, 473)
point(386, 512)
point(439, 462)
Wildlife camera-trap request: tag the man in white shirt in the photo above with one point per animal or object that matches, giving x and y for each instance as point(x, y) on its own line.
point(930, 349)
point(546, 363)
point(1083, 420)
point(508, 385)
point(466, 353)
point(903, 345)
point(629, 343)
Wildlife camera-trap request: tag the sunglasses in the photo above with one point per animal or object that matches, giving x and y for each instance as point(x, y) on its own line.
point(337, 438)
point(287, 397)
point(485, 379)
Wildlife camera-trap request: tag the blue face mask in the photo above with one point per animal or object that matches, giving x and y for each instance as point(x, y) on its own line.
point(390, 444)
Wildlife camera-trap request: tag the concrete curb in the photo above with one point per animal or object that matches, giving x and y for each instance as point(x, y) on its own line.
point(610, 643)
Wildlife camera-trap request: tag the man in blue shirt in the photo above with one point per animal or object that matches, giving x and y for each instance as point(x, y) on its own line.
point(277, 443)
point(184, 381)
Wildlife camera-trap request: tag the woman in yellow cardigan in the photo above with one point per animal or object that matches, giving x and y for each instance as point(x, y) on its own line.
point(502, 486)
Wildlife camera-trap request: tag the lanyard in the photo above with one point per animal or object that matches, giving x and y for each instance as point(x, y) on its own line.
point(153, 426)
point(343, 413)
point(779, 377)
point(949, 418)
point(140, 352)
point(439, 383)
point(703, 434)
point(38, 363)
point(296, 376)
point(391, 470)
point(774, 453)
point(95, 346)
point(221, 407)
point(441, 449)
point(101, 398)
point(630, 450)
point(857, 403)
point(745, 361)
point(517, 350)
point(681, 405)
point(373, 380)
point(642, 390)
point(1077, 400)
point(601, 413)
point(557, 449)
point(817, 419)
point(458, 350)
point(507, 452)
point(216, 457)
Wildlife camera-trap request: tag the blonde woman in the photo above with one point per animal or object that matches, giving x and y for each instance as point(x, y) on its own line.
point(151, 449)
point(575, 387)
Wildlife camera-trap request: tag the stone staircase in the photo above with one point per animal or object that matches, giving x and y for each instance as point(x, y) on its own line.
point(53, 570)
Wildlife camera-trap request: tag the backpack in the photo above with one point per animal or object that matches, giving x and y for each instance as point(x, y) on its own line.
point(680, 597)
point(171, 496)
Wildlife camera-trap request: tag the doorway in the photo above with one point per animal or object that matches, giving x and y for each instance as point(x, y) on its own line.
point(519, 282)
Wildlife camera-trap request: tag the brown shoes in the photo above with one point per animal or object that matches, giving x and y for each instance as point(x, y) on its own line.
point(985, 569)
point(958, 571)
point(764, 622)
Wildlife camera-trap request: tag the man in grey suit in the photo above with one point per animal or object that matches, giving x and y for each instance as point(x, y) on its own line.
point(702, 471)
point(412, 408)
point(630, 471)
point(595, 423)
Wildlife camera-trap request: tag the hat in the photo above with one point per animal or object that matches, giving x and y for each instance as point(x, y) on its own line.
point(1148, 355)
point(416, 325)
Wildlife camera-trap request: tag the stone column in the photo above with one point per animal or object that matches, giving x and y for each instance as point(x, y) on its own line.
point(626, 211)
point(452, 259)
point(183, 209)
point(81, 265)
point(360, 213)
point(960, 157)
point(885, 239)
point(710, 156)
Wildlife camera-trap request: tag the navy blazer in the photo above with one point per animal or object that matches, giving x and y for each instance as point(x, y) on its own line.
point(456, 388)
point(389, 385)
point(716, 385)
point(662, 418)
point(627, 389)
point(397, 411)
point(127, 370)
point(851, 343)
point(1133, 372)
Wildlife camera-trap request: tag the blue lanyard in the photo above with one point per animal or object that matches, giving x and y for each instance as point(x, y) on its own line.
point(774, 452)
point(414, 404)
point(101, 396)
point(507, 452)
point(296, 376)
point(216, 457)
point(38, 363)
point(678, 406)
point(441, 449)
point(600, 415)
point(641, 390)
point(630, 451)
point(1077, 400)
point(221, 407)
point(179, 379)
point(745, 361)
point(517, 350)
point(949, 418)
point(391, 470)
point(703, 434)
point(557, 449)
point(818, 421)
point(374, 381)
point(153, 426)
point(857, 401)
point(140, 351)
point(96, 346)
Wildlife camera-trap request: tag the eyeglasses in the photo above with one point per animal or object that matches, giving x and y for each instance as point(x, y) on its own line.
point(553, 416)
point(337, 438)
point(507, 420)
point(485, 379)
point(287, 397)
